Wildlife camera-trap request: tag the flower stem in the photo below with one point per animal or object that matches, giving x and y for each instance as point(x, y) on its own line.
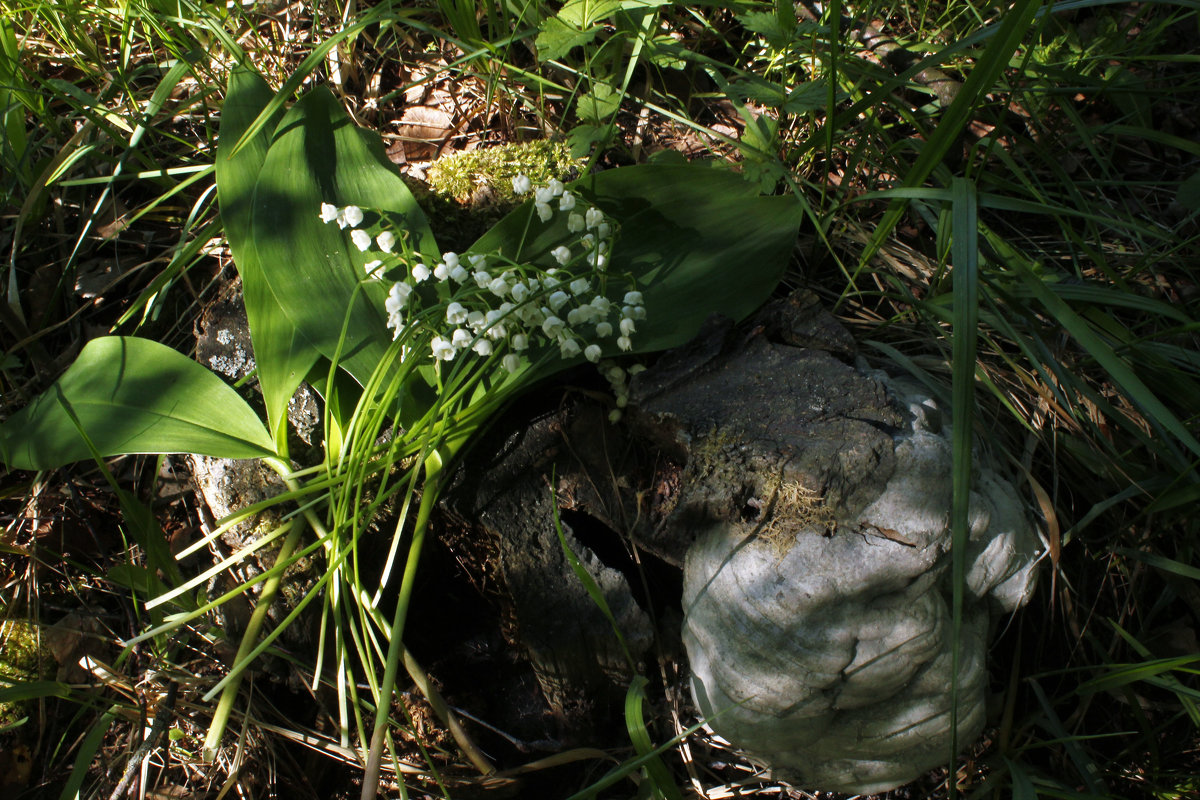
point(429, 496)
point(216, 730)
point(212, 742)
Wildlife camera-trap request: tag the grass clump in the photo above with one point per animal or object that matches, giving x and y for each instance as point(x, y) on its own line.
point(1065, 156)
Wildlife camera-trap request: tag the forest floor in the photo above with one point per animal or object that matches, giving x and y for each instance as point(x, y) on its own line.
point(1081, 140)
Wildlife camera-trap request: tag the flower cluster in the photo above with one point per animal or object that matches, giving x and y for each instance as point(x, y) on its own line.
point(492, 305)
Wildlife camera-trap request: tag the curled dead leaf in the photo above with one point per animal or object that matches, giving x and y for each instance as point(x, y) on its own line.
point(423, 132)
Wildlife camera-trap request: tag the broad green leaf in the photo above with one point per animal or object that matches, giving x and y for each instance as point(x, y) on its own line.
point(582, 13)
point(132, 396)
point(1188, 194)
point(666, 53)
point(319, 156)
point(282, 354)
point(779, 28)
point(583, 137)
point(557, 38)
point(808, 97)
point(804, 98)
point(576, 24)
point(699, 241)
point(598, 104)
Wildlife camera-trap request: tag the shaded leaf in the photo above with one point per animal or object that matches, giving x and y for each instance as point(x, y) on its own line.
point(282, 354)
point(600, 103)
point(699, 241)
point(777, 30)
point(582, 13)
point(807, 97)
point(583, 137)
point(319, 156)
point(1188, 195)
point(557, 38)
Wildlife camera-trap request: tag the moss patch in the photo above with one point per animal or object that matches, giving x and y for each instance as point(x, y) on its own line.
point(469, 192)
point(485, 176)
point(23, 657)
point(795, 507)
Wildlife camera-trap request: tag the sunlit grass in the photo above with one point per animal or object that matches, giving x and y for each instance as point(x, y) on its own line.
point(1072, 135)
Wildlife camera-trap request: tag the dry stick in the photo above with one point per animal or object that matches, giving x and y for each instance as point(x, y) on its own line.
point(166, 711)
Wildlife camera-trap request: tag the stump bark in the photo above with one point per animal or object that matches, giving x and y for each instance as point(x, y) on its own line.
point(806, 499)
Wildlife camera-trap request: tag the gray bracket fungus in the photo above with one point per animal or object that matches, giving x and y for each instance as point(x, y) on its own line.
point(807, 501)
point(829, 657)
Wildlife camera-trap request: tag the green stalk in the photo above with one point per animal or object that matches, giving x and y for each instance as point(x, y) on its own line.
point(216, 730)
point(965, 260)
point(429, 495)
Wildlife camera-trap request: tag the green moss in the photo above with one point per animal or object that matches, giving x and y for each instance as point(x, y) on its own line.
point(469, 192)
point(486, 176)
point(23, 657)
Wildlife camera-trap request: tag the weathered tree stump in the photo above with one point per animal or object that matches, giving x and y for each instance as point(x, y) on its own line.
point(807, 501)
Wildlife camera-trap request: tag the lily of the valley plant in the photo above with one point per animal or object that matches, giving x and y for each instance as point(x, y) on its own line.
point(413, 350)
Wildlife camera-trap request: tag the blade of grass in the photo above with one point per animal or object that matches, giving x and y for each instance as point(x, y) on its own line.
point(662, 783)
point(589, 583)
point(1121, 373)
point(1013, 27)
point(310, 63)
point(965, 258)
point(87, 751)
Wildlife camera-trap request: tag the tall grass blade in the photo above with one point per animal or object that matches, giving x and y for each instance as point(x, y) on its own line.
point(87, 751)
point(1012, 29)
point(662, 783)
point(589, 584)
point(964, 251)
point(1120, 372)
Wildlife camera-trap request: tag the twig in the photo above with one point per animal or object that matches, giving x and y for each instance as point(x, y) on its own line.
point(163, 717)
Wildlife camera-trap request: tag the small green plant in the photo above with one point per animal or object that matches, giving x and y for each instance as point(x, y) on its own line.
point(413, 349)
